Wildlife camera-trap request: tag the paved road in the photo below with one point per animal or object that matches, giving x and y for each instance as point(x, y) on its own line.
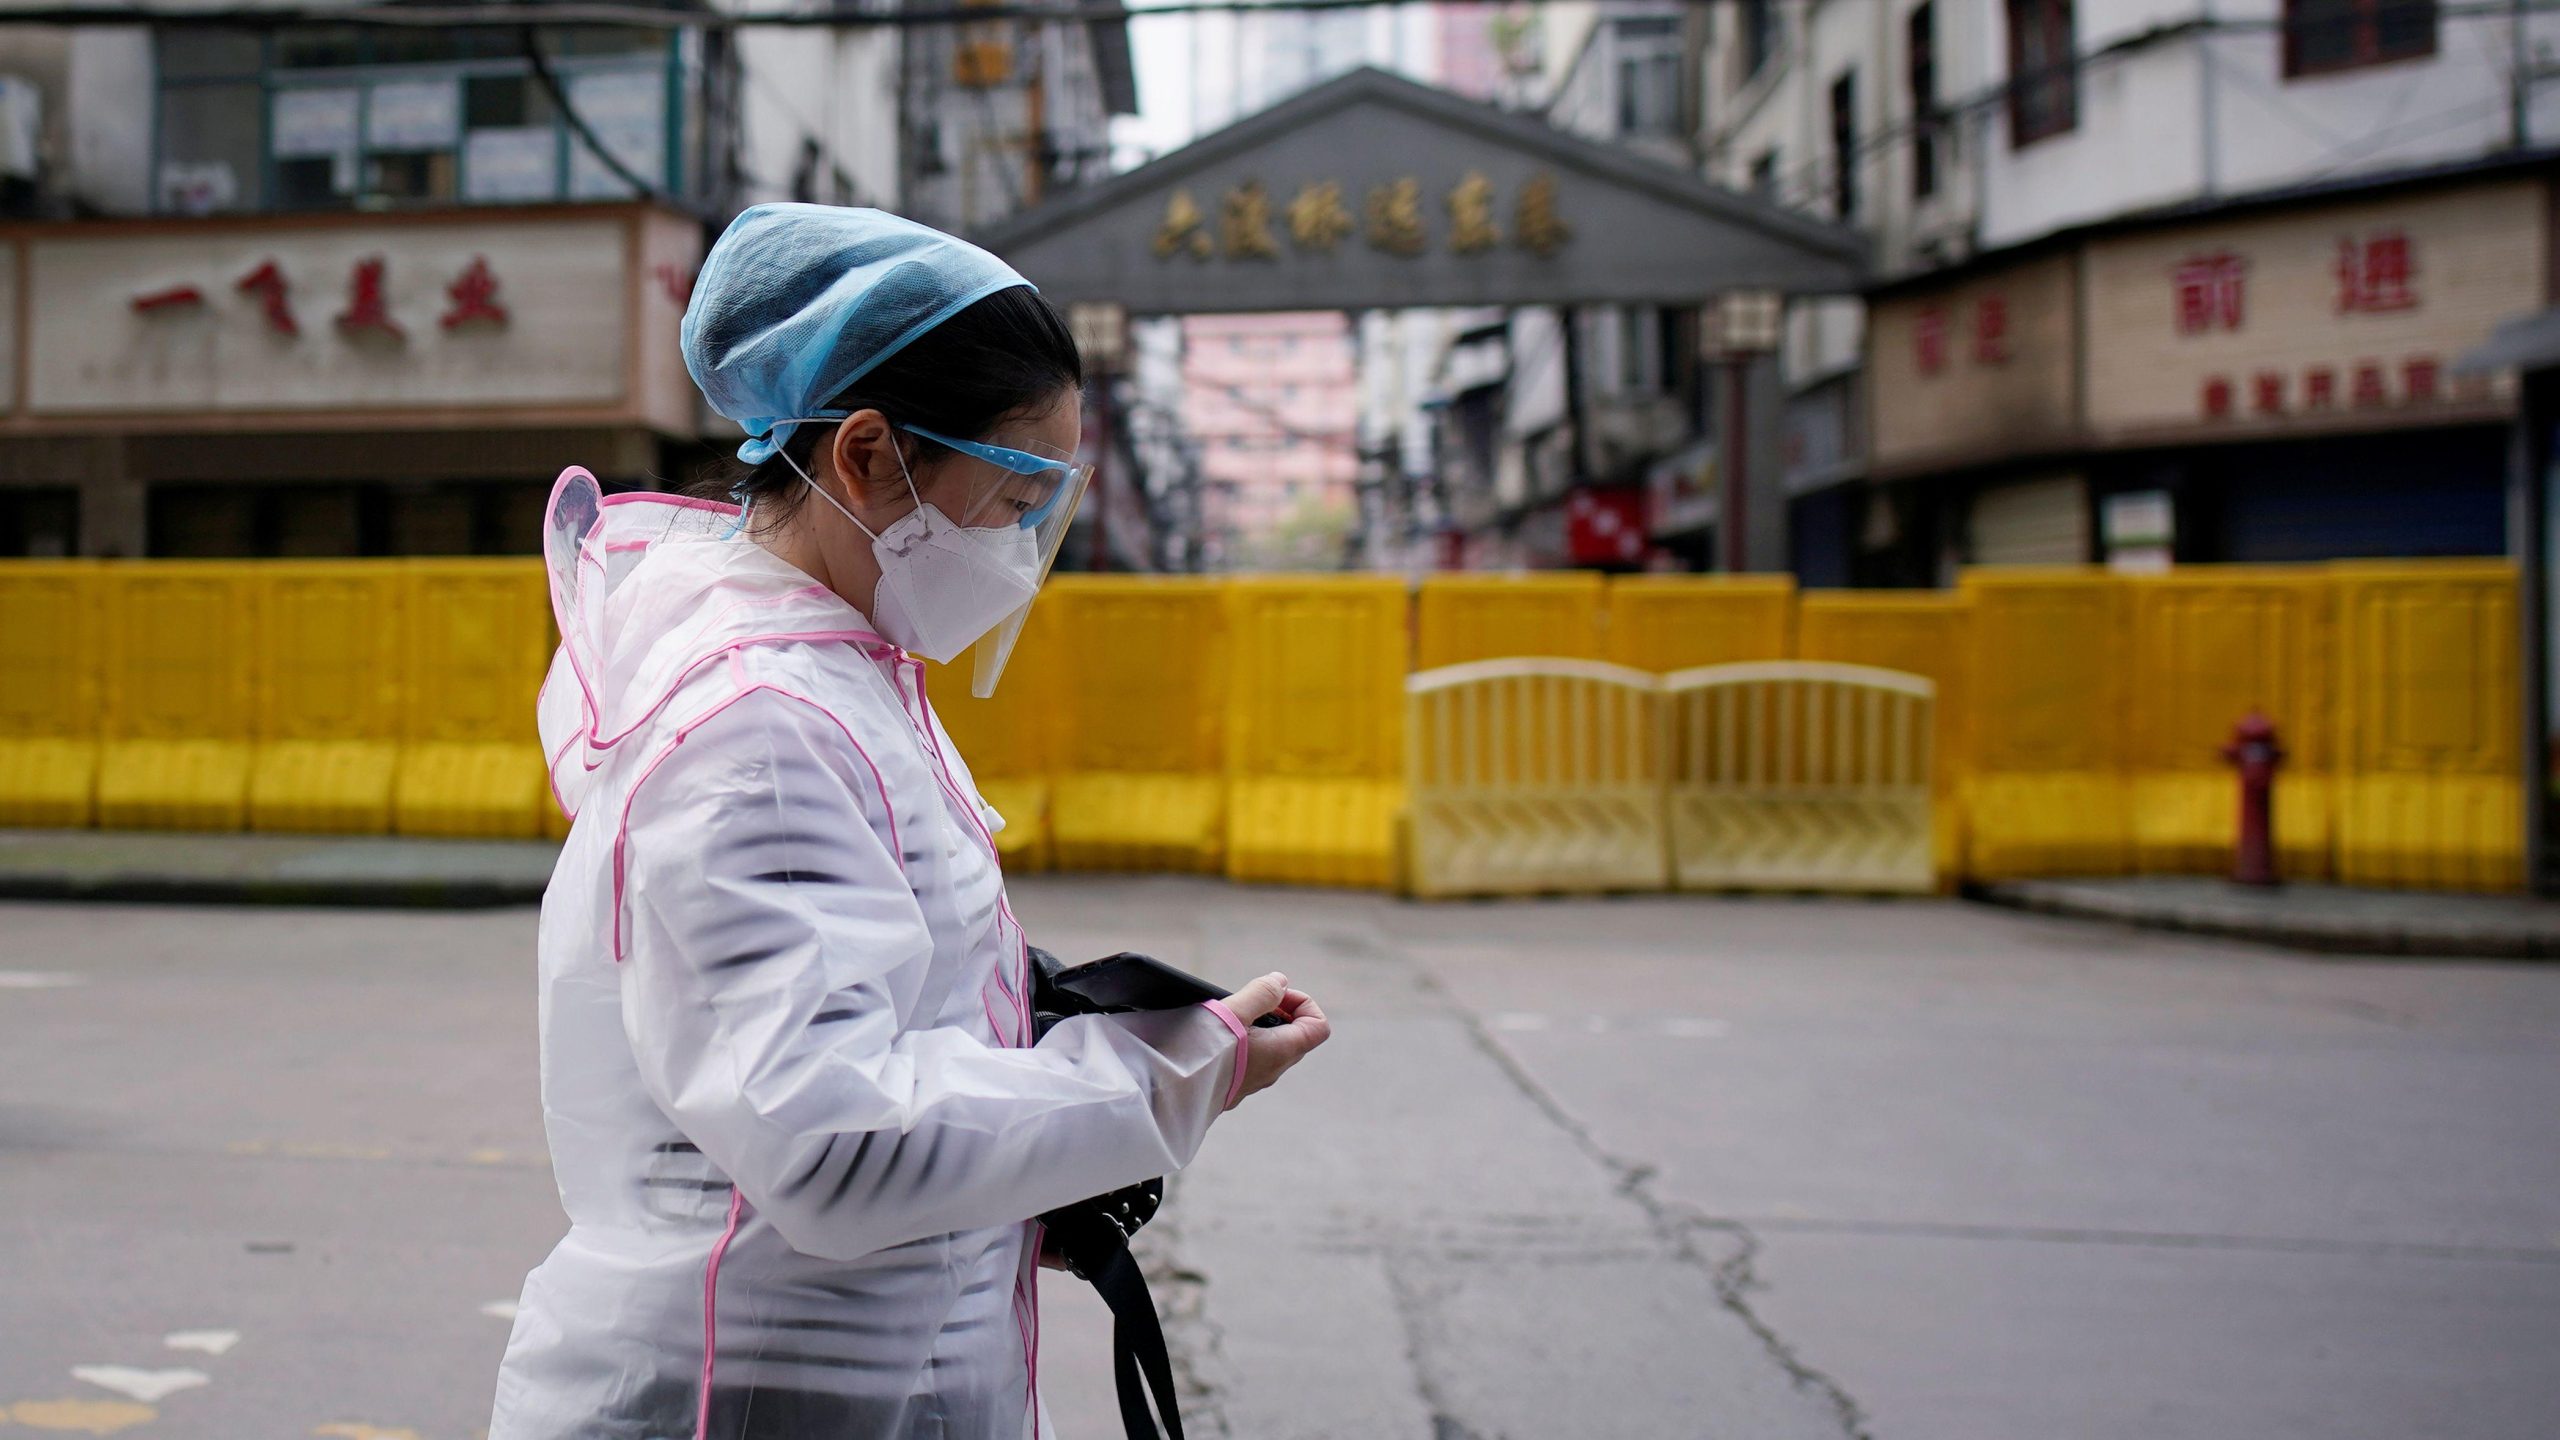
point(1635, 1168)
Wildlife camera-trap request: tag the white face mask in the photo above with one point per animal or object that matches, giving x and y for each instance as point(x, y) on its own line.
point(941, 586)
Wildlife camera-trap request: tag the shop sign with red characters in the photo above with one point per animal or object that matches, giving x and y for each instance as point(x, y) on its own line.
point(2349, 312)
point(524, 313)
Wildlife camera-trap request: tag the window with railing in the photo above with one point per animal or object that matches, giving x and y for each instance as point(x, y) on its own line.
point(342, 118)
point(1920, 62)
point(1757, 28)
point(2322, 37)
point(2044, 75)
point(1844, 146)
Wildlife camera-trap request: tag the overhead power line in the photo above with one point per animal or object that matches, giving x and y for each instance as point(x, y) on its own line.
point(654, 17)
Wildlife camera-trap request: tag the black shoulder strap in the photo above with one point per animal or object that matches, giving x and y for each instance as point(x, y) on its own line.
point(1137, 1347)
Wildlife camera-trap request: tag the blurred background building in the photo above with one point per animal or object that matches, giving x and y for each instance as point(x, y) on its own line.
point(2154, 284)
point(289, 289)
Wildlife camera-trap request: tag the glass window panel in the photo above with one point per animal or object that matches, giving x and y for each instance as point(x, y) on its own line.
point(627, 111)
point(411, 176)
point(514, 163)
point(317, 182)
point(498, 101)
point(414, 115)
point(209, 149)
point(315, 122)
point(307, 46)
point(201, 53)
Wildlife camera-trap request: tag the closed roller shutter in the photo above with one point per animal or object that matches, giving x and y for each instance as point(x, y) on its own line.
point(2037, 522)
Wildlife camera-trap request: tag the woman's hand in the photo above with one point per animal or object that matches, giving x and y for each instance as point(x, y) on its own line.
point(1270, 1052)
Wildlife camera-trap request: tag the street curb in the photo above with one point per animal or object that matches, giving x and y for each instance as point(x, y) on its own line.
point(370, 872)
point(421, 894)
point(2346, 936)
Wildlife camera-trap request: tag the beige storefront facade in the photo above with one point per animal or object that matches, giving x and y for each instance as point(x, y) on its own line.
point(2267, 383)
point(332, 384)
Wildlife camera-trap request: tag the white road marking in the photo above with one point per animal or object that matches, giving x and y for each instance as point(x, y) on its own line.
point(39, 980)
point(499, 1309)
point(147, 1386)
point(1518, 1020)
point(211, 1342)
point(1690, 1027)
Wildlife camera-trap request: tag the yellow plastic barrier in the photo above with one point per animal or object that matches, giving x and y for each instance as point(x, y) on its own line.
point(2209, 643)
point(1315, 728)
point(478, 641)
point(1461, 618)
point(49, 683)
point(1799, 775)
point(2046, 789)
point(1532, 776)
point(2429, 792)
point(1008, 740)
point(1141, 782)
point(1664, 623)
point(328, 696)
point(1918, 632)
point(180, 694)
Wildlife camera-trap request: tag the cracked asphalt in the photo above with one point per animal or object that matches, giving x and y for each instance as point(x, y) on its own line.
point(1645, 1167)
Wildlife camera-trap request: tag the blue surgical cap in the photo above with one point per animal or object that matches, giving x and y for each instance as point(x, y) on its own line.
point(796, 302)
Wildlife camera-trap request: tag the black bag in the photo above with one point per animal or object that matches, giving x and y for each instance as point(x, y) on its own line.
point(1092, 1236)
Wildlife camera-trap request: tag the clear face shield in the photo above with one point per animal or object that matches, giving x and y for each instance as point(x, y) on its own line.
point(1022, 500)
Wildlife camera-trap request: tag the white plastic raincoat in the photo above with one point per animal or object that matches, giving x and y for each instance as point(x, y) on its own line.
point(795, 1114)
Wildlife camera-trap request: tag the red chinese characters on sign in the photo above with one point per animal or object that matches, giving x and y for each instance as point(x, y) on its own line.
point(1929, 339)
point(368, 312)
point(2211, 292)
point(2266, 392)
point(2376, 274)
point(176, 297)
point(676, 284)
point(1991, 331)
point(2319, 387)
point(2419, 378)
point(2370, 391)
point(475, 297)
point(275, 297)
point(2217, 397)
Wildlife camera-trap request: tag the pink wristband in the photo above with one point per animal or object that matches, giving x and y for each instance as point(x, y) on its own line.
point(1235, 1088)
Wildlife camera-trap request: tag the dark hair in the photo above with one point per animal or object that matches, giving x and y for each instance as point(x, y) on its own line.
point(1005, 355)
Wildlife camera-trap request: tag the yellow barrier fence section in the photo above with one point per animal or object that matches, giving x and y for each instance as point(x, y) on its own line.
point(1664, 623)
point(1315, 729)
point(50, 671)
point(180, 694)
point(1007, 740)
point(1264, 726)
point(1926, 633)
point(2209, 644)
point(2046, 790)
point(330, 642)
point(1461, 618)
point(1141, 778)
point(1799, 774)
point(2428, 793)
point(478, 638)
point(1535, 776)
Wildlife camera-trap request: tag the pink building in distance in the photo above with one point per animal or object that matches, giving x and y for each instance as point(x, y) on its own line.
point(1273, 401)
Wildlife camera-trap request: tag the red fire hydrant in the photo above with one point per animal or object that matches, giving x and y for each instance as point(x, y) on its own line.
point(2254, 750)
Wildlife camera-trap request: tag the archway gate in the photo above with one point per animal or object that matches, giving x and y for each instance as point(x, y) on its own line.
point(1373, 191)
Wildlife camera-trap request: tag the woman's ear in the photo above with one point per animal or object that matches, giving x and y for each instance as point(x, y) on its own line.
point(861, 454)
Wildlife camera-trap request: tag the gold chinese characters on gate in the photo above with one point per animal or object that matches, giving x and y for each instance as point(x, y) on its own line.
point(1392, 219)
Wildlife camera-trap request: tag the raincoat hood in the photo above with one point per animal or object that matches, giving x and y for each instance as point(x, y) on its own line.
point(647, 589)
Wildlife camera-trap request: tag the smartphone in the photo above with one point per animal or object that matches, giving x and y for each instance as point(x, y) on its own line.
point(1130, 981)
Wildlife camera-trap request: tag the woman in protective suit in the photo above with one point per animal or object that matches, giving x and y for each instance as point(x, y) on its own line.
point(796, 1111)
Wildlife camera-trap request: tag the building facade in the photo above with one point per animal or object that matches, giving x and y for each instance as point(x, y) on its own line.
point(2158, 281)
point(1273, 402)
point(366, 289)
